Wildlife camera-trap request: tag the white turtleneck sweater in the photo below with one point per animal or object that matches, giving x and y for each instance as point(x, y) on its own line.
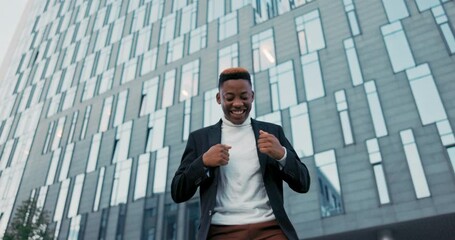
point(241, 197)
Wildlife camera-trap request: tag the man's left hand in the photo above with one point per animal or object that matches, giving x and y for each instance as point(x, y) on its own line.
point(269, 144)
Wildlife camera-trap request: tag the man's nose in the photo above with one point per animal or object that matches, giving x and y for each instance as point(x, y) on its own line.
point(237, 102)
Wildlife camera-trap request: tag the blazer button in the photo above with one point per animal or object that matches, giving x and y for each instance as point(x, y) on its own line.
point(210, 212)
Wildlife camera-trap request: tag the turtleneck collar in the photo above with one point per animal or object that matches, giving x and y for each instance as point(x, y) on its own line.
point(229, 123)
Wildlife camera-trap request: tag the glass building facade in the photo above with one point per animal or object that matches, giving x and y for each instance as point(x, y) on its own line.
point(99, 97)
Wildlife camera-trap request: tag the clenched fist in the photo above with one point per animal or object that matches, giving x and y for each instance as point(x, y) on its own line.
point(216, 156)
point(269, 144)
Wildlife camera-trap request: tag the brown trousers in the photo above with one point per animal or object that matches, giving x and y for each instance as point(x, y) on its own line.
point(266, 230)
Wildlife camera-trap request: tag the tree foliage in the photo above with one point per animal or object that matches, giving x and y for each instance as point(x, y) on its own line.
point(30, 222)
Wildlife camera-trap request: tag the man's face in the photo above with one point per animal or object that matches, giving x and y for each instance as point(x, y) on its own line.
point(235, 97)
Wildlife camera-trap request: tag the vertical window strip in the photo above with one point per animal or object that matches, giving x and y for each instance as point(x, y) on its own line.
point(418, 177)
point(65, 167)
point(121, 108)
point(353, 62)
point(106, 114)
point(53, 167)
point(426, 95)
point(99, 188)
point(187, 119)
point(374, 104)
point(190, 80)
point(149, 96)
point(142, 176)
point(120, 186)
point(58, 133)
point(123, 138)
point(129, 71)
point(69, 98)
point(212, 111)
point(301, 130)
point(60, 205)
point(88, 110)
point(149, 61)
point(161, 166)
point(443, 22)
point(48, 138)
point(75, 227)
point(94, 153)
point(76, 195)
point(106, 81)
point(349, 8)
point(168, 89)
point(167, 28)
point(374, 154)
point(331, 198)
point(312, 76)
point(157, 122)
point(342, 108)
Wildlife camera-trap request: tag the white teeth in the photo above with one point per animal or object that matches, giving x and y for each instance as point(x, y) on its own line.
point(237, 111)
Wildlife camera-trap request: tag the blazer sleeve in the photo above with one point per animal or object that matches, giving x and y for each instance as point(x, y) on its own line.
point(190, 174)
point(294, 172)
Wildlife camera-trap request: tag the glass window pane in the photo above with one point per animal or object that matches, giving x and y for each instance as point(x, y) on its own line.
point(301, 130)
point(142, 176)
point(331, 200)
point(312, 76)
point(397, 47)
point(395, 9)
point(168, 89)
point(161, 166)
point(418, 177)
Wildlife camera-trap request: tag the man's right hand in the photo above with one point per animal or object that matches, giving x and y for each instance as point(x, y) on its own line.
point(216, 156)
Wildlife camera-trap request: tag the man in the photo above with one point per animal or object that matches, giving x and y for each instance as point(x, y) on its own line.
point(240, 164)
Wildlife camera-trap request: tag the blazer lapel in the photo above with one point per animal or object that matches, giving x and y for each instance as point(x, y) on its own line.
point(262, 157)
point(214, 137)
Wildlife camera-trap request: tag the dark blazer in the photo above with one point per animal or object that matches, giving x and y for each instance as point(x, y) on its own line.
point(191, 174)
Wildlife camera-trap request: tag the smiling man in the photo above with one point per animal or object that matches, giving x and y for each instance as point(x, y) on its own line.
point(240, 164)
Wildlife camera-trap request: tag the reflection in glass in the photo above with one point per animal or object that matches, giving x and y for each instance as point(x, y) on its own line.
point(331, 199)
point(263, 50)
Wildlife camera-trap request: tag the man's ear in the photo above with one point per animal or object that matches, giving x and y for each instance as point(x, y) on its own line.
point(252, 95)
point(218, 98)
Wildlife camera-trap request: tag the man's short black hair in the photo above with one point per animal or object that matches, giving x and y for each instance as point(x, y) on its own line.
point(233, 74)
